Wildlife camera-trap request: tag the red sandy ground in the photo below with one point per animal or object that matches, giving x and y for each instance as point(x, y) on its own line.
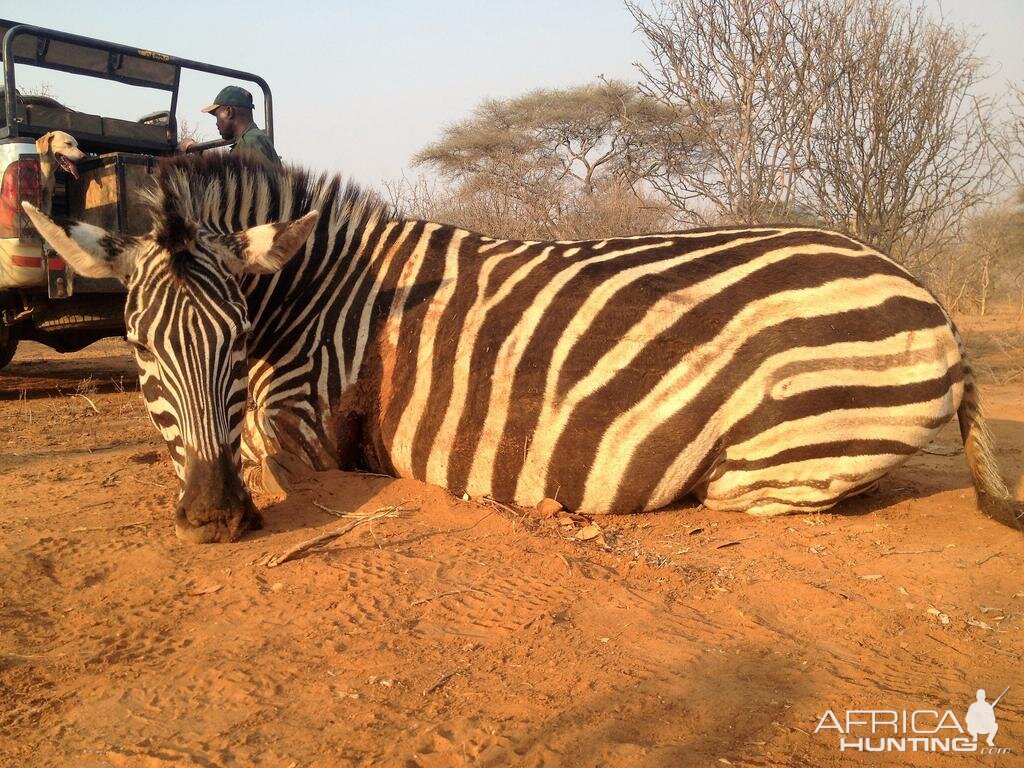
point(468, 634)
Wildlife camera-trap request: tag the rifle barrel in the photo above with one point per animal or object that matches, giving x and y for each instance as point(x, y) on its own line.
point(1000, 697)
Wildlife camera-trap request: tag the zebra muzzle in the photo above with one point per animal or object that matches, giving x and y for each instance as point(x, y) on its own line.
point(215, 506)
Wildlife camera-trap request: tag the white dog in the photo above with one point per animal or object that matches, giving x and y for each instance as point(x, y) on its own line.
point(56, 149)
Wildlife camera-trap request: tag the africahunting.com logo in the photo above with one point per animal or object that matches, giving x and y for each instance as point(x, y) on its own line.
point(920, 730)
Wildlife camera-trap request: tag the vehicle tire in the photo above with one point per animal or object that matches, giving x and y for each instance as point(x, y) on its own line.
point(85, 321)
point(82, 313)
point(8, 345)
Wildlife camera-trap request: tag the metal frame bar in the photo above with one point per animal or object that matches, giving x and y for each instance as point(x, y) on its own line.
point(44, 34)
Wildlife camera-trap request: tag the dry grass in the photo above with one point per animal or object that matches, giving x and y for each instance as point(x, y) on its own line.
point(998, 355)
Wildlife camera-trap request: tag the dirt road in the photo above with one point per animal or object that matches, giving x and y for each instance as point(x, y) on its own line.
point(464, 633)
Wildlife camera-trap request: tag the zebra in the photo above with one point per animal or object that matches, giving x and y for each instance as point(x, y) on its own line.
point(282, 318)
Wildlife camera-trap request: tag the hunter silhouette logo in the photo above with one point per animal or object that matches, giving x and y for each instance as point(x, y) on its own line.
point(981, 717)
point(920, 730)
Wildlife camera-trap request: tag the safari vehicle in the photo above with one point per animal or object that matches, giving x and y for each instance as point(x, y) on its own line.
point(40, 298)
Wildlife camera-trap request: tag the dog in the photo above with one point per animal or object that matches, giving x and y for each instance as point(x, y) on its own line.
point(56, 149)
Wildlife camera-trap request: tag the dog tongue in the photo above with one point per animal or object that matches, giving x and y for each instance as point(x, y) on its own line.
point(68, 166)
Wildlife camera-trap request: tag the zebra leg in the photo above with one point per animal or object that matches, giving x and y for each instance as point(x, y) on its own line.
point(279, 472)
point(274, 452)
point(763, 496)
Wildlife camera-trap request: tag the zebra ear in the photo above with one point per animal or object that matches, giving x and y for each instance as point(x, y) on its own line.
point(91, 251)
point(267, 248)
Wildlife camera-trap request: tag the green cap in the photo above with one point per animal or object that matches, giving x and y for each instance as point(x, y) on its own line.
point(231, 96)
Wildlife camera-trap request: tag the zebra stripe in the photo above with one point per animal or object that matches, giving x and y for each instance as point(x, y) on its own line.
point(766, 369)
point(180, 330)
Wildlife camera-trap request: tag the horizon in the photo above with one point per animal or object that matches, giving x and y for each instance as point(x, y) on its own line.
point(401, 74)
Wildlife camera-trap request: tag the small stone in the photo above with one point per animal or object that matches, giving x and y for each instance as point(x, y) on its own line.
point(590, 532)
point(548, 507)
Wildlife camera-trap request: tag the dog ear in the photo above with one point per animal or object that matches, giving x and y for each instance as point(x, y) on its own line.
point(91, 251)
point(43, 143)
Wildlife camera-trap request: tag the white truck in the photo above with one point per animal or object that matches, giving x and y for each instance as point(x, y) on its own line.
point(40, 298)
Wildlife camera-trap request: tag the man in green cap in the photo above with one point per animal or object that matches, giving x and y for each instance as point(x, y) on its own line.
point(233, 110)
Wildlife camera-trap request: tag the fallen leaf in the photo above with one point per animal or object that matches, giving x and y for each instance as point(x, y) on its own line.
point(979, 624)
point(592, 531)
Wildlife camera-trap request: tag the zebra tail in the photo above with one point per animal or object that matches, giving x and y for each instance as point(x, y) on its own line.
point(994, 497)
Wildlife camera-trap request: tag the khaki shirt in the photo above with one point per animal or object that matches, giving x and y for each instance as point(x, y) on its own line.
point(255, 140)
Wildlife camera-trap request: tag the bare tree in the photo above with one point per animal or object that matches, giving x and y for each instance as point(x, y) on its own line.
point(854, 113)
point(188, 130)
point(985, 265)
point(742, 77)
point(1012, 146)
point(41, 89)
point(900, 152)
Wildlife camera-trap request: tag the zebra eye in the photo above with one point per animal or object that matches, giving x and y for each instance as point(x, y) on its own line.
point(139, 348)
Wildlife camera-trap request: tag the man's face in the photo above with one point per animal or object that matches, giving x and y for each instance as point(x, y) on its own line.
point(224, 115)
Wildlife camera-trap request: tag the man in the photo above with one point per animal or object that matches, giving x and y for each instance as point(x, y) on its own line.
point(233, 110)
point(981, 718)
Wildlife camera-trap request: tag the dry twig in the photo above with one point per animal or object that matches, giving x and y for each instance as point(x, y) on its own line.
point(329, 511)
point(909, 552)
point(400, 507)
point(323, 538)
point(565, 560)
point(90, 402)
point(441, 681)
point(988, 557)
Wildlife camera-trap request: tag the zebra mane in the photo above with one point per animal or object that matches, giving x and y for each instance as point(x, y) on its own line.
point(227, 192)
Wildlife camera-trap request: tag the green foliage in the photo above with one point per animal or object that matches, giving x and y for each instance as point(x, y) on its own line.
point(543, 164)
point(575, 135)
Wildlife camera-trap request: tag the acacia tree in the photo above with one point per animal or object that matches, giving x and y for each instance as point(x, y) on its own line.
point(545, 159)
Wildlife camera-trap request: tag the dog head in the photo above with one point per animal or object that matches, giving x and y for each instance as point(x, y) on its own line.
point(63, 148)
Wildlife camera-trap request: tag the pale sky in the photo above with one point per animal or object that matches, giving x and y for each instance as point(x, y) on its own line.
point(360, 87)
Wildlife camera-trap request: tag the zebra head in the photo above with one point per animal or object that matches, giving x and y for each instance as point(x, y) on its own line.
point(186, 319)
